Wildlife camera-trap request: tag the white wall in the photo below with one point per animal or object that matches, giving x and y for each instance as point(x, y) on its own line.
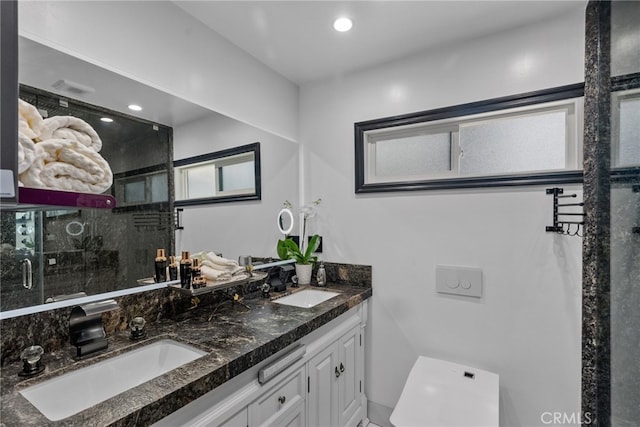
point(239, 228)
point(527, 326)
point(157, 43)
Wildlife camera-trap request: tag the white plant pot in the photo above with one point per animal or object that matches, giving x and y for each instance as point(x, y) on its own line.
point(303, 271)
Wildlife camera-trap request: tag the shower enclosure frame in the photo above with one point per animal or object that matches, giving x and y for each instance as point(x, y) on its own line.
point(597, 243)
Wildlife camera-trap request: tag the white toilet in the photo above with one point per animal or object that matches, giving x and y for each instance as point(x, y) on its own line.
point(444, 394)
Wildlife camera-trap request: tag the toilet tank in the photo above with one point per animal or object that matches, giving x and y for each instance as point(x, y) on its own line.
point(446, 394)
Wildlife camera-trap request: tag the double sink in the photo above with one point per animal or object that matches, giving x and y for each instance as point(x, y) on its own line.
point(73, 392)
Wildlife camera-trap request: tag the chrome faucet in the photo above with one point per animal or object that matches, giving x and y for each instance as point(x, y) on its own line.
point(86, 331)
point(31, 361)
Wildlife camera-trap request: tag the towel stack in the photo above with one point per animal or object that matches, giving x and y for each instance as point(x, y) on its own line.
point(60, 153)
point(215, 267)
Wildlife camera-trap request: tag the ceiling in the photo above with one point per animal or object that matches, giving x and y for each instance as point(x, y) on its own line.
point(295, 38)
point(41, 66)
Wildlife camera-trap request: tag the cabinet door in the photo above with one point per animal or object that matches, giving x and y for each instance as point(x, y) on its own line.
point(239, 419)
point(273, 405)
point(349, 366)
point(293, 417)
point(322, 388)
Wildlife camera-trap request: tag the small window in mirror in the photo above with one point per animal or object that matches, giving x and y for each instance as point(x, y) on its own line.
point(222, 176)
point(141, 187)
point(134, 192)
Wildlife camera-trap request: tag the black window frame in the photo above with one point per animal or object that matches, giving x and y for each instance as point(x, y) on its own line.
point(485, 106)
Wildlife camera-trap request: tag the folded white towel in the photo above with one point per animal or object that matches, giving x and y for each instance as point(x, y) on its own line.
point(29, 120)
point(213, 274)
point(72, 128)
point(26, 152)
point(70, 166)
point(223, 262)
point(229, 269)
point(31, 176)
point(215, 261)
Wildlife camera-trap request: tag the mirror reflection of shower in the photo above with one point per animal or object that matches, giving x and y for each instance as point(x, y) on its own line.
point(25, 232)
point(20, 256)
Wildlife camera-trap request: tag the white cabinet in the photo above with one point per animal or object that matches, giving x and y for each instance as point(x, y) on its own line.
point(322, 396)
point(276, 405)
point(322, 389)
point(239, 419)
point(335, 382)
point(350, 380)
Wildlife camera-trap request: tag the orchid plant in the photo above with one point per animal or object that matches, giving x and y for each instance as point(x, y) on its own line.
point(288, 249)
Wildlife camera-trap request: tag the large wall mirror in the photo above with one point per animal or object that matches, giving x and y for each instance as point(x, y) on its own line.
point(54, 254)
point(76, 252)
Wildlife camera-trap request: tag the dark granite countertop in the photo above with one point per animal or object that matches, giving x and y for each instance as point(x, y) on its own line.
point(235, 336)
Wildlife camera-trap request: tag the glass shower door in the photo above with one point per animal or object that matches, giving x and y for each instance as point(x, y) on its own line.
point(21, 259)
point(625, 214)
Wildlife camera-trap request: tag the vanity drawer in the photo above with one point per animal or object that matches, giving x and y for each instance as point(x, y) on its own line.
point(273, 404)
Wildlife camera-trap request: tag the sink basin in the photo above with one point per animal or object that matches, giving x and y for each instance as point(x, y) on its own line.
point(70, 393)
point(307, 298)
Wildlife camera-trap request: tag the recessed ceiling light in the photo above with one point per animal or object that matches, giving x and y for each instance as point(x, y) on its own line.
point(106, 119)
point(342, 24)
point(135, 107)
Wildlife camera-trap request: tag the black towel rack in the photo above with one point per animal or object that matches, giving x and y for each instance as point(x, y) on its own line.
point(567, 222)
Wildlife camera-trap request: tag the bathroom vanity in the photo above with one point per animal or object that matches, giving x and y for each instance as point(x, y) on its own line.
point(317, 382)
point(265, 363)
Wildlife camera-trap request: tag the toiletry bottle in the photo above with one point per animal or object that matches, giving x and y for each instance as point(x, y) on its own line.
point(196, 274)
point(185, 270)
point(161, 266)
point(321, 276)
point(173, 268)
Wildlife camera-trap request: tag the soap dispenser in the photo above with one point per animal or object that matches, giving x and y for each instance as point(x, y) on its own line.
point(321, 275)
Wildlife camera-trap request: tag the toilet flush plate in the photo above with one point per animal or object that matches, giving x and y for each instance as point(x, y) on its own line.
point(454, 280)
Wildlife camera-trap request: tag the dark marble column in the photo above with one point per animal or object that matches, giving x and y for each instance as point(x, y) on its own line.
point(596, 382)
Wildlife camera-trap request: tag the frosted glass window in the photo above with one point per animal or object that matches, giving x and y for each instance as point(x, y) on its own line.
point(237, 176)
point(200, 181)
point(413, 155)
point(159, 188)
point(514, 144)
point(629, 144)
point(134, 192)
point(519, 140)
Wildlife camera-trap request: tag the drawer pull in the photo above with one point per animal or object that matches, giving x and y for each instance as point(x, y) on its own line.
point(282, 399)
point(341, 368)
point(337, 372)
